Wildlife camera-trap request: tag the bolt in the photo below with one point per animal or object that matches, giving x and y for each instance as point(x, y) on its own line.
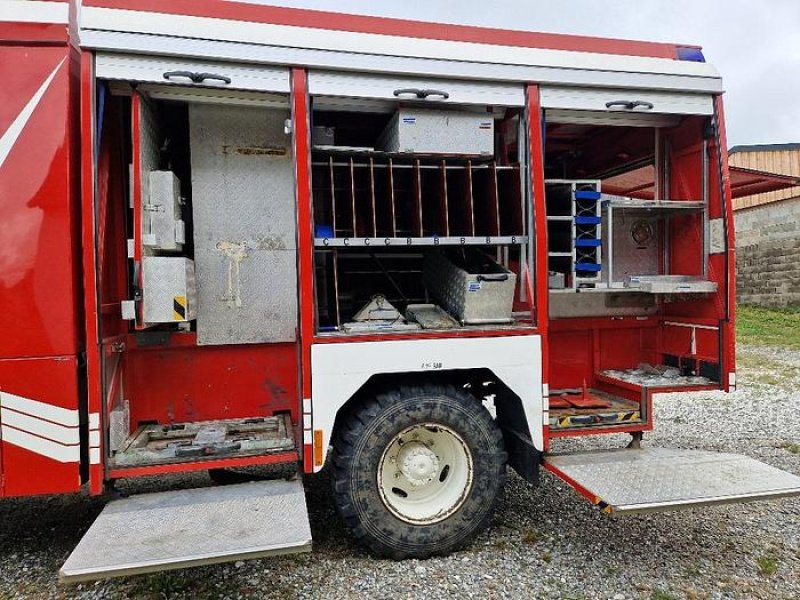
point(397, 475)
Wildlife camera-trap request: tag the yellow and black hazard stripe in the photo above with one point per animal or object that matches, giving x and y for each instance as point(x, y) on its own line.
point(596, 419)
point(179, 308)
point(604, 507)
point(629, 416)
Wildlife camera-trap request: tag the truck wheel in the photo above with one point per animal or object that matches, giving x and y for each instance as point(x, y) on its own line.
point(417, 471)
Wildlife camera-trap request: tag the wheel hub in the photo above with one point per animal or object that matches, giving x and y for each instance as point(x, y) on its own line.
point(418, 463)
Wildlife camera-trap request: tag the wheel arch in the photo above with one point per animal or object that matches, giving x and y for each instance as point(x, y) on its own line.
point(344, 373)
point(508, 412)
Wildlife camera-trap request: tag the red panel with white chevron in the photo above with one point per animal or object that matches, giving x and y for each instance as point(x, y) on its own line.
point(41, 337)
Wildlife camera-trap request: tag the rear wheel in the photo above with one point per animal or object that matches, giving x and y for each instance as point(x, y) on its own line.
point(417, 471)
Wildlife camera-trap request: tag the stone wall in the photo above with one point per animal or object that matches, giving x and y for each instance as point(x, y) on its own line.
point(768, 254)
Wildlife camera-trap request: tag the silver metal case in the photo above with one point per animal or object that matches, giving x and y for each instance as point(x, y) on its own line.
point(168, 284)
point(163, 227)
point(473, 298)
point(439, 132)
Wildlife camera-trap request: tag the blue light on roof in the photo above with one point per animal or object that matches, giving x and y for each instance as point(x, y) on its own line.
point(691, 54)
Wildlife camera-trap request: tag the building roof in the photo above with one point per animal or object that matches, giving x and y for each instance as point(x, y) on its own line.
point(765, 148)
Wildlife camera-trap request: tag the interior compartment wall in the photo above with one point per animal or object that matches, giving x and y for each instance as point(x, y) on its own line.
point(189, 383)
point(578, 349)
point(244, 224)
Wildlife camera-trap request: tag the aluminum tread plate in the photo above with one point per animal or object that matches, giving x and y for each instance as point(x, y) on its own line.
point(652, 479)
point(185, 528)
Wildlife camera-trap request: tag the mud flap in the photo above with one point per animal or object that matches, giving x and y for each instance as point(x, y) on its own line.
point(656, 479)
point(187, 528)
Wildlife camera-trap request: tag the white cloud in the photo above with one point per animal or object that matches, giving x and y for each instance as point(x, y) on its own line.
point(755, 45)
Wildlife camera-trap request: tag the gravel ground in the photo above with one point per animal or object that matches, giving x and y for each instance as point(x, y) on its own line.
point(543, 543)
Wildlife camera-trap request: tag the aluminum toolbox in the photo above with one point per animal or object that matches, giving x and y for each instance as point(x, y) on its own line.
point(168, 289)
point(470, 285)
point(164, 228)
point(439, 132)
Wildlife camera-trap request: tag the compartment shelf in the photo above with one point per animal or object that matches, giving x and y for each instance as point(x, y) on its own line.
point(379, 197)
point(399, 242)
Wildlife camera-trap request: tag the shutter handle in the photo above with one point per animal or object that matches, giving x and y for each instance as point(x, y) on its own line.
point(420, 93)
point(196, 77)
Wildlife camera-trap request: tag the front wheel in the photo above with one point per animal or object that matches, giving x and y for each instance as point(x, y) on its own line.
point(417, 471)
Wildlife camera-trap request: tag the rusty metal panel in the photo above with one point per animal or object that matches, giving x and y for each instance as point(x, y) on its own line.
point(244, 224)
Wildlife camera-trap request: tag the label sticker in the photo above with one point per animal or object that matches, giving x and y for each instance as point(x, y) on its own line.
point(410, 120)
point(473, 286)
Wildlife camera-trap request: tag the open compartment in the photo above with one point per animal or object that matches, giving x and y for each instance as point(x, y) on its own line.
point(203, 188)
point(635, 306)
point(426, 179)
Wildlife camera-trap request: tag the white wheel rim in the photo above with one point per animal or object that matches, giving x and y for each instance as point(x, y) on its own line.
point(425, 473)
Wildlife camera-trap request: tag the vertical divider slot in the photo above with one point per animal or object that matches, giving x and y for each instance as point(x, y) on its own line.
point(417, 200)
point(511, 207)
point(487, 218)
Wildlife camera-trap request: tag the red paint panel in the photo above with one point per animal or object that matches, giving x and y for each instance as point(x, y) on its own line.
point(180, 384)
point(570, 359)
point(305, 235)
point(728, 261)
point(245, 11)
point(540, 313)
point(50, 381)
point(94, 393)
point(38, 212)
point(35, 33)
point(623, 348)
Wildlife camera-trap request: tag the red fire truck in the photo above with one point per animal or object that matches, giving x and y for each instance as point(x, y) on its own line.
point(235, 235)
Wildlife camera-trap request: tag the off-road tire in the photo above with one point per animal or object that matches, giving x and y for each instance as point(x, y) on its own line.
point(360, 443)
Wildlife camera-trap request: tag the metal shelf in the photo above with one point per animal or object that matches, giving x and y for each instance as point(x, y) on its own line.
point(404, 242)
point(657, 205)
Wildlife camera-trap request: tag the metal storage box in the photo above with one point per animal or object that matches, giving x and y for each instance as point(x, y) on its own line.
point(168, 288)
point(163, 226)
point(471, 286)
point(438, 132)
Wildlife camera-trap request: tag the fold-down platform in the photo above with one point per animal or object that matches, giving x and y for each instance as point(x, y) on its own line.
point(654, 479)
point(186, 528)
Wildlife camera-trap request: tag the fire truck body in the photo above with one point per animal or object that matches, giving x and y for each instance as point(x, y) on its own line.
point(237, 235)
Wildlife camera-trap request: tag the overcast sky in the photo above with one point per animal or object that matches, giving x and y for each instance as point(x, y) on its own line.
point(755, 44)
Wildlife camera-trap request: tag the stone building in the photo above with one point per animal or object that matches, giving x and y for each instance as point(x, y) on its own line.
point(768, 227)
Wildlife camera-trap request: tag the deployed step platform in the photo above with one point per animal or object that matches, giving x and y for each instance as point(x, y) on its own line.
point(189, 528)
point(628, 481)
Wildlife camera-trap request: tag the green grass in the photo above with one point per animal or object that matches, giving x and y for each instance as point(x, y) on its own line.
point(768, 326)
point(659, 594)
point(790, 447)
point(767, 565)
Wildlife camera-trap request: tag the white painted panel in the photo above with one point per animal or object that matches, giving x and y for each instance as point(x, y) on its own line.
point(42, 410)
point(339, 370)
point(594, 99)
point(152, 69)
point(34, 11)
point(41, 428)
point(249, 52)
point(41, 446)
point(153, 23)
point(349, 85)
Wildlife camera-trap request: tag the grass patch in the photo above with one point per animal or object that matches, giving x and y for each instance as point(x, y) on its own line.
point(767, 565)
point(790, 447)
point(530, 537)
point(768, 326)
point(659, 594)
point(547, 557)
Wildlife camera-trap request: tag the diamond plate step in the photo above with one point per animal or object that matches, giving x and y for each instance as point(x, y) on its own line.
point(186, 528)
point(655, 479)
